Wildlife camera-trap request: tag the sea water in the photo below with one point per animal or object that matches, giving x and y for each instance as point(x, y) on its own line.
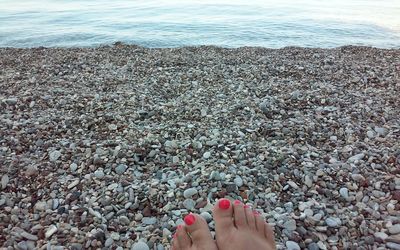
point(175, 23)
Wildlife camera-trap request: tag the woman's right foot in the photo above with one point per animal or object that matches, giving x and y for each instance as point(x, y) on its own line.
point(238, 227)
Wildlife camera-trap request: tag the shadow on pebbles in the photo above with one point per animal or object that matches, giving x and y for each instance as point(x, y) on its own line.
point(110, 147)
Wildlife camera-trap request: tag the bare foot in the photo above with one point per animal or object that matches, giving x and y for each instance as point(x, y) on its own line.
point(238, 227)
point(194, 235)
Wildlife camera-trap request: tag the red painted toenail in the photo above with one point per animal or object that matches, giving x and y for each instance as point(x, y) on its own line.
point(256, 213)
point(246, 206)
point(189, 219)
point(237, 202)
point(224, 204)
point(179, 227)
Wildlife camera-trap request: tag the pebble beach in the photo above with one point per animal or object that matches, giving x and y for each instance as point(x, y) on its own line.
point(110, 147)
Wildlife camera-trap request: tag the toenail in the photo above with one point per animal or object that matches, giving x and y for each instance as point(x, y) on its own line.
point(189, 219)
point(174, 236)
point(237, 202)
point(224, 204)
point(246, 206)
point(179, 227)
point(256, 213)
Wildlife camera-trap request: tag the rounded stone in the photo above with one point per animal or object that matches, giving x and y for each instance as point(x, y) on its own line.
point(291, 245)
point(140, 246)
point(120, 169)
point(188, 193)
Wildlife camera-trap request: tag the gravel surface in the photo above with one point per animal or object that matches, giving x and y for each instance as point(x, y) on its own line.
point(112, 146)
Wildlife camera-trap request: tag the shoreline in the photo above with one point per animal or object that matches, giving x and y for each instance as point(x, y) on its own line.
point(98, 145)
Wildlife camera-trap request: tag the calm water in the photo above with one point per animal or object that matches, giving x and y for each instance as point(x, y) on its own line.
point(171, 23)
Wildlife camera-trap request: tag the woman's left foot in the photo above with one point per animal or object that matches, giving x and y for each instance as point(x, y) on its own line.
point(194, 235)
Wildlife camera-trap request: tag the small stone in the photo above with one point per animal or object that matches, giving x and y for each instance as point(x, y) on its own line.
point(188, 193)
point(395, 229)
point(166, 233)
point(230, 188)
point(140, 246)
point(4, 181)
point(54, 155)
point(108, 242)
point(31, 170)
point(291, 245)
point(207, 216)
point(50, 231)
point(149, 220)
point(333, 222)
point(112, 127)
point(293, 184)
point(215, 175)
point(370, 134)
point(175, 159)
point(290, 225)
point(308, 181)
point(189, 204)
point(11, 101)
point(381, 236)
point(73, 184)
point(313, 246)
point(392, 245)
point(206, 155)
point(238, 181)
point(99, 174)
point(356, 157)
point(138, 217)
point(380, 131)
point(73, 167)
point(29, 236)
point(344, 192)
point(115, 236)
point(124, 220)
point(357, 177)
point(120, 169)
point(22, 245)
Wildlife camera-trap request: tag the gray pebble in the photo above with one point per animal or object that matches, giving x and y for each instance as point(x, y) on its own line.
point(4, 181)
point(188, 193)
point(207, 216)
point(344, 192)
point(333, 222)
point(207, 155)
point(140, 246)
point(189, 204)
point(124, 220)
point(291, 245)
point(149, 220)
point(238, 181)
point(120, 169)
point(356, 157)
point(54, 155)
point(313, 246)
point(108, 242)
point(392, 245)
point(395, 229)
point(290, 225)
point(22, 245)
point(73, 167)
point(99, 174)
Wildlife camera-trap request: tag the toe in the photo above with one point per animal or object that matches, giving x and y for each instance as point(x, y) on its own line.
point(182, 237)
point(260, 223)
point(175, 243)
point(223, 215)
point(239, 214)
point(251, 221)
point(198, 230)
point(269, 233)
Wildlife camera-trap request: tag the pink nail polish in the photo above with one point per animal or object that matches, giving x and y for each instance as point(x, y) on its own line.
point(256, 213)
point(189, 219)
point(237, 202)
point(179, 227)
point(246, 206)
point(224, 204)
